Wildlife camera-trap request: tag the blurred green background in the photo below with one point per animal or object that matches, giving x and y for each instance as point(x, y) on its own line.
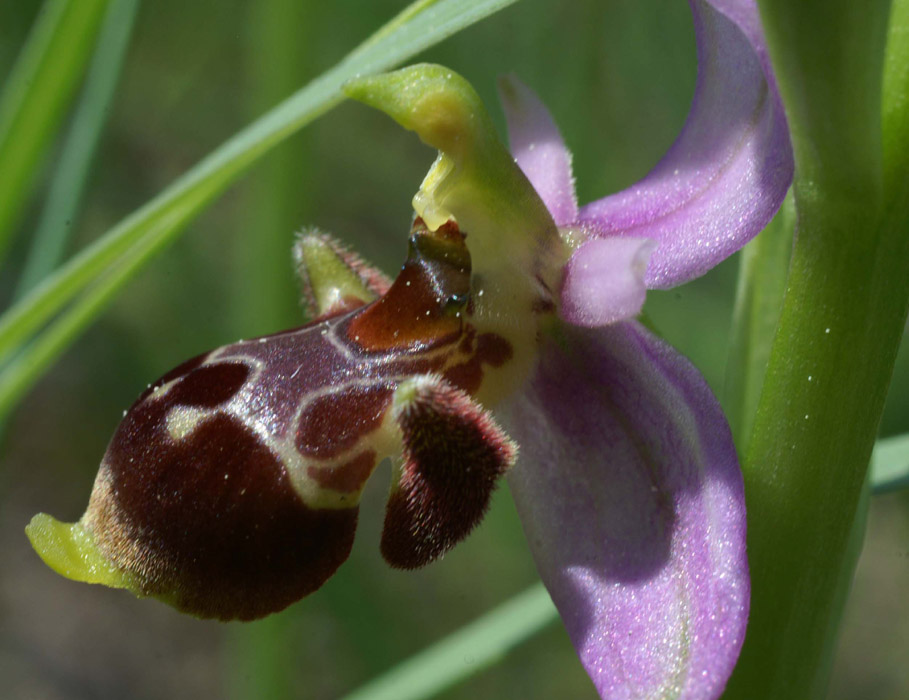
point(617, 74)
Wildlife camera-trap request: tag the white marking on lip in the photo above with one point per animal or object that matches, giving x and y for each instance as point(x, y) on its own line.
point(183, 420)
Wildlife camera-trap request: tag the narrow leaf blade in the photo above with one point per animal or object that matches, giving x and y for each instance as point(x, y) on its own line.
point(68, 183)
point(36, 95)
point(466, 652)
point(159, 221)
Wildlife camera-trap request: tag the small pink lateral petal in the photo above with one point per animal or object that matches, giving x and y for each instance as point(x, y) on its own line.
point(454, 454)
point(728, 171)
point(631, 497)
point(604, 281)
point(539, 150)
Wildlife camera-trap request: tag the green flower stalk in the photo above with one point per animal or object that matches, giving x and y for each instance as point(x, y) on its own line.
point(842, 319)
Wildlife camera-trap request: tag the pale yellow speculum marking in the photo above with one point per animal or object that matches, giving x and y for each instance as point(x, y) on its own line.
point(183, 420)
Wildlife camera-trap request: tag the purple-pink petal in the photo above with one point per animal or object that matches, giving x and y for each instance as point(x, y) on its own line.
point(604, 281)
point(731, 166)
point(539, 150)
point(630, 494)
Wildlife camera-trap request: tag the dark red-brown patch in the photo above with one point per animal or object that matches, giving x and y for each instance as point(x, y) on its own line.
point(178, 371)
point(218, 527)
point(209, 386)
point(348, 477)
point(467, 376)
point(491, 349)
point(333, 423)
point(415, 364)
point(466, 344)
point(453, 457)
point(448, 231)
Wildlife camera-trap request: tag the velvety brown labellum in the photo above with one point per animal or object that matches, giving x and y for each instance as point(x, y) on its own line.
point(230, 489)
point(211, 522)
point(454, 454)
point(194, 499)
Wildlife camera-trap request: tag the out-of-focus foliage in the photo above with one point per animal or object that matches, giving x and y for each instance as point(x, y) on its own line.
point(618, 77)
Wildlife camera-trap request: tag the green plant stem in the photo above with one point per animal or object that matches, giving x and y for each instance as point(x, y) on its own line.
point(36, 94)
point(843, 586)
point(832, 358)
point(260, 659)
point(763, 270)
point(68, 184)
point(158, 222)
point(466, 652)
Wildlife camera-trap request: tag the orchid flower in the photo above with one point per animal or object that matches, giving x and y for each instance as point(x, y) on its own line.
point(625, 452)
point(231, 487)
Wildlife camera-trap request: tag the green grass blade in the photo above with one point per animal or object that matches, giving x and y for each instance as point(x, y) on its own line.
point(68, 184)
point(890, 464)
point(466, 652)
point(29, 365)
point(409, 12)
point(281, 50)
point(36, 95)
point(158, 222)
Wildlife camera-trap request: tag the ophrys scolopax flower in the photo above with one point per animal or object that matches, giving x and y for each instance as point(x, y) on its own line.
point(231, 487)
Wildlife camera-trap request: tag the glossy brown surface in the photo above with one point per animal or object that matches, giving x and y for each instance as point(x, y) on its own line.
point(425, 304)
point(334, 423)
point(178, 371)
point(212, 385)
